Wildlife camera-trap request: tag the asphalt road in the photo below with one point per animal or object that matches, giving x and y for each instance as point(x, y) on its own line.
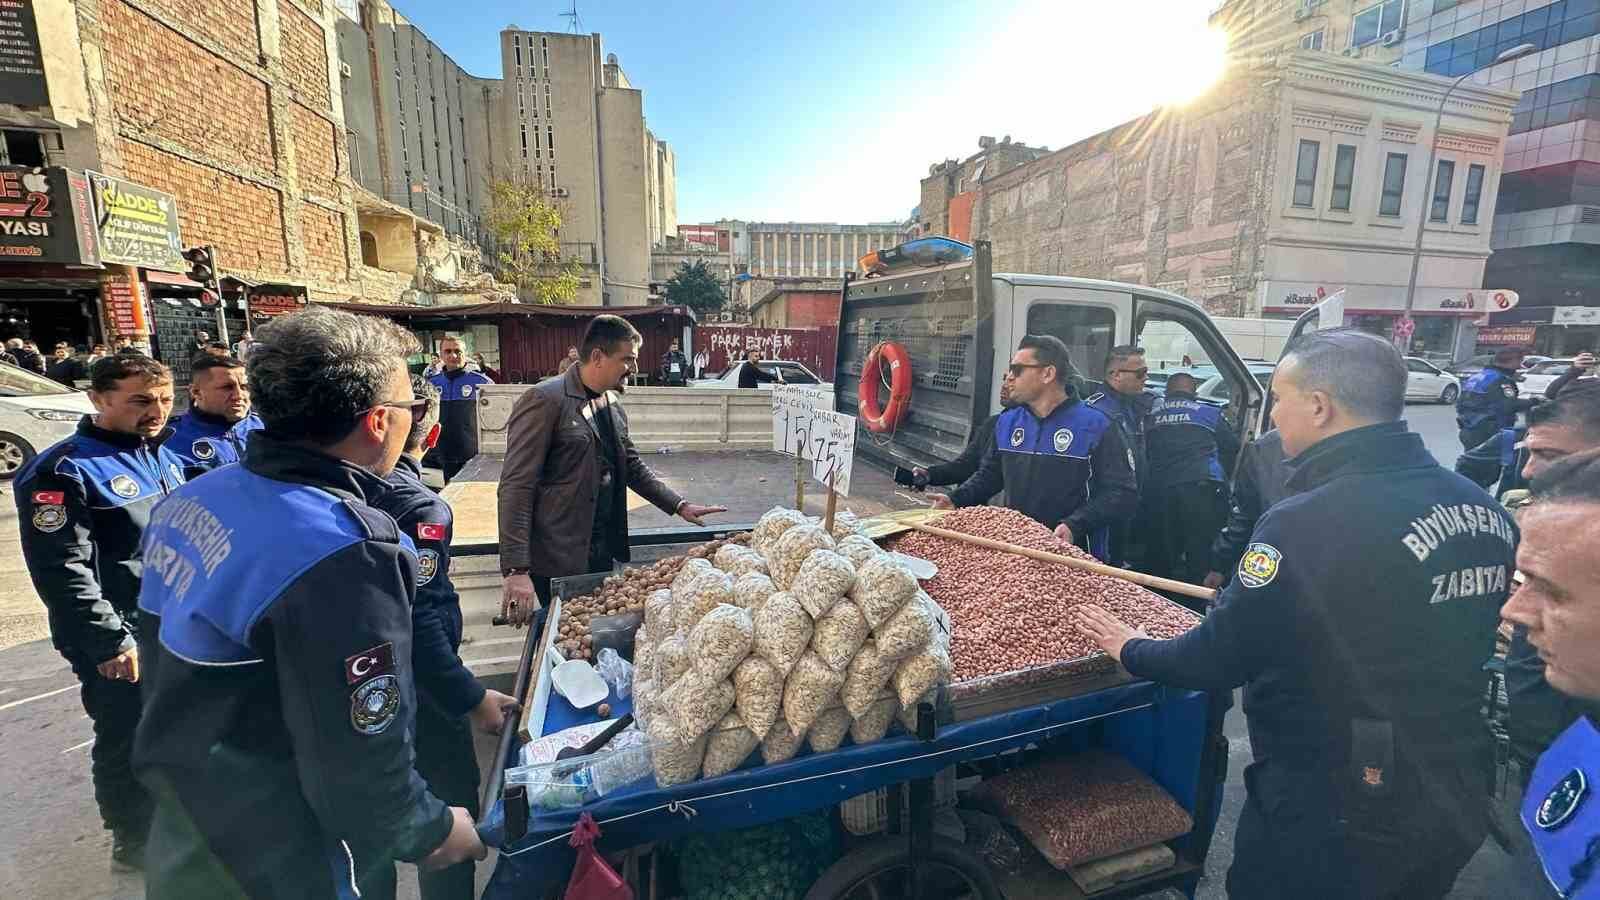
point(52, 845)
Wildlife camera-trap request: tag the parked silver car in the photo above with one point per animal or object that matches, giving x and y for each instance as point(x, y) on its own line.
point(35, 412)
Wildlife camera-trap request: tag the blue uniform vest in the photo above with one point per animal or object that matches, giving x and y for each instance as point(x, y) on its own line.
point(1562, 814)
point(208, 443)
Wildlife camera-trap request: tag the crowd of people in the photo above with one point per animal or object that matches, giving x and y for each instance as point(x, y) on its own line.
point(254, 739)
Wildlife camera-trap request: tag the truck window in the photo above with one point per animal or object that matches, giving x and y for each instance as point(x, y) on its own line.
point(1172, 345)
point(1086, 330)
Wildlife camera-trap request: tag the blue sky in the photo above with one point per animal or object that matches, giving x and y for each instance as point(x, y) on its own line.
point(833, 111)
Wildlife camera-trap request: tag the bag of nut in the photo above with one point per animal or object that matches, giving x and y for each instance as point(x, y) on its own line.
point(672, 661)
point(845, 524)
point(839, 633)
point(828, 731)
point(810, 688)
point(921, 672)
point(728, 745)
point(700, 596)
point(752, 589)
point(658, 621)
point(786, 554)
point(907, 631)
point(882, 587)
point(865, 678)
point(781, 743)
point(858, 549)
point(674, 761)
point(822, 581)
point(737, 560)
point(874, 722)
point(721, 641)
point(758, 694)
point(696, 703)
point(783, 631)
point(772, 524)
point(1087, 806)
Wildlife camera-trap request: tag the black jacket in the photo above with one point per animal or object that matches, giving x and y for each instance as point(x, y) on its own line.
point(1260, 480)
point(667, 375)
point(751, 374)
point(82, 507)
point(277, 724)
point(28, 359)
point(1071, 467)
point(966, 465)
point(1132, 412)
point(1371, 593)
point(1573, 373)
point(436, 613)
point(458, 413)
point(1496, 464)
point(67, 371)
point(1187, 441)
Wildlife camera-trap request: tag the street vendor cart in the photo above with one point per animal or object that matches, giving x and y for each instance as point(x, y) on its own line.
point(975, 731)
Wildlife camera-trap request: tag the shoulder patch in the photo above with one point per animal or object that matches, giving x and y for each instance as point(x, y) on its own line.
point(51, 497)
point(374, 705)
point(49, 517)
point(1062, 439)
point(124, 486)
point(1017, 435)
point(202, 449)
point(1259, 565)
point(427, 566)
point(379, 525)
point(369, 663)
point(430, 531)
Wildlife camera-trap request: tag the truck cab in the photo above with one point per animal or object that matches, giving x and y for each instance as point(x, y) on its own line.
point(959, 324)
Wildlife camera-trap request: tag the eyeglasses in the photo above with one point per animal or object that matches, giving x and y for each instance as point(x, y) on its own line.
point(1018, 368)
point(1141, 372)
point(415, 407)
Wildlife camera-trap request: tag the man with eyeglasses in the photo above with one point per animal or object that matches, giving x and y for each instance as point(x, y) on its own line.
point(458, 389)
point(1124, 398)
point(1060, 461)
point(276, 602)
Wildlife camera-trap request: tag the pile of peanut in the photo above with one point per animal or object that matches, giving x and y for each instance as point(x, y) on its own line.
point(1009, 611)
point(620, 594)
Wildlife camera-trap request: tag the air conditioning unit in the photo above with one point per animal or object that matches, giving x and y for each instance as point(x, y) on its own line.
point(560, 192)
point(344, 69)
point(1391, 38)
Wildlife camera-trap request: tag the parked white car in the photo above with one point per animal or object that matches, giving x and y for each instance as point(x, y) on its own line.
point(793, 373)
point(1539, 377)
point(1426, 381)
point(35, 412)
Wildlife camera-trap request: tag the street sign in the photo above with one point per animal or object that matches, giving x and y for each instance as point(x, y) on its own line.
point(805, 426)
point(1404, 327)
point(1500, 301)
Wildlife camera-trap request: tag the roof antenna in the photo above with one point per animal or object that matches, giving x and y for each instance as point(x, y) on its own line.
point(574, 21)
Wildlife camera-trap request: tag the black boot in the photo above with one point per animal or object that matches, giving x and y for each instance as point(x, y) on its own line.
point(127, 851)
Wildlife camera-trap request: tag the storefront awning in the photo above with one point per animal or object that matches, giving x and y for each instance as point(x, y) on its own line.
point(503, 310)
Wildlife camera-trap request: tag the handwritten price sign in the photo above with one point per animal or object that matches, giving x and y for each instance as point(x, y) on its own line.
point(805, 425)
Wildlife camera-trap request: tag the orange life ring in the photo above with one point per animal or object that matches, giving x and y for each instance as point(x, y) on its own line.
point(886, 417)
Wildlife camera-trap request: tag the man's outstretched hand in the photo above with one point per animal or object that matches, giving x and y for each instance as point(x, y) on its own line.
point(694, 513)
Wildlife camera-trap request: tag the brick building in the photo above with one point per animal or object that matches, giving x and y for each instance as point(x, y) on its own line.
point(951, 186)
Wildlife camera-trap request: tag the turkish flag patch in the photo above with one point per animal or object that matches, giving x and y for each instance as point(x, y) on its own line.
point(369, 663)
point(430, 531)
point(54, 498)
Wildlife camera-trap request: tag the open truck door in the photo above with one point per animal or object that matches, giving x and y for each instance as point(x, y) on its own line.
point(1327, 314)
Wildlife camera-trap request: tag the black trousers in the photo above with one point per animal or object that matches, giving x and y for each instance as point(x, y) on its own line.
point(1185, 519)
point(1472, 437)
point(113, 707)
point(447, 761)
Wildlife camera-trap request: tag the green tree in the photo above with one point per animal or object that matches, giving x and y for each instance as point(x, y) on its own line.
point(526, 226)
point(695, 287)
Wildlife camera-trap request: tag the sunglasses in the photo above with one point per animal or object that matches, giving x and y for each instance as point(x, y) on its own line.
point(1141, 372)
point(416, 407)
point(1018, 368)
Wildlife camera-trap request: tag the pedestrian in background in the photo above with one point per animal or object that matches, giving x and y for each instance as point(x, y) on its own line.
point(1582, 367)
point(83, 506)
point(279, 716)
point(485, 368)
point(25, 356)
point(751, 374)
point(701, 360)
point(1358, 622)
point(674, 367)
point(63, 369)
point(241, 350)
point(568, 362)
point(458, 403)
point(1489, 401)
point(219, 421)
point(569, 466)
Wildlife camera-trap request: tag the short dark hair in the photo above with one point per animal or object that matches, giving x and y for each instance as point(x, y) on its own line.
point(1577, 406)
point(1121, 352)
point(1362, 372)
point(108, 371)
point(423, 422)
point(1050, 351)
point(1574, 479)
point(314, 372)
point(606, 333)
point(206, 362)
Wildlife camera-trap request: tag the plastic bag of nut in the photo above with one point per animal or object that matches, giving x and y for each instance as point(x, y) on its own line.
point(737, 560)
point(781, 743)
point(672, 661)
point(700, 596)
point(846, 523)
point(783, 631)
point(907, 631)
point(658, 621)
point(839, 633)
point(644, 660)
point(772, 524)
point(865, 678)
point(828, 731)
point(921, 672)
point(674, 761)
point(811, 687)
point(858, 549)
point(752, 589)
point(728, 745)
point(822, 581)
point(874, 721)
point(721, 641)
point(644, 698)
point(882, 587)
point(787, 554)
point(1087, 806)
point(907, 715)
point(757, 694)
point(696, 703)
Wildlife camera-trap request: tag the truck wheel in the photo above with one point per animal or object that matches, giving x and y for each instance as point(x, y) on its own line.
point(877, 871)
point(14, 454)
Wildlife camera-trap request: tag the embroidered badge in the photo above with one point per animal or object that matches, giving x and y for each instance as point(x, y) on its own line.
point(374, 705)
point(427, 566)
point(123, 486)
point(202, 449)
point(1062, 439)
point(1016, 438)
point(369, 663)
point(49, 518)
point(1558, 806)
point(430, 531)
point(1259, 565)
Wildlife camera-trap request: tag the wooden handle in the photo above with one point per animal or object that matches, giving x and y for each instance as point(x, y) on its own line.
point(1149, 581)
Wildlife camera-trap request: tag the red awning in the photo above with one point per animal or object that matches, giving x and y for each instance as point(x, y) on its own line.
point(494, 309)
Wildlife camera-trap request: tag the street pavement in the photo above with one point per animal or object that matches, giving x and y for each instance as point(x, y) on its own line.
point(52, 844)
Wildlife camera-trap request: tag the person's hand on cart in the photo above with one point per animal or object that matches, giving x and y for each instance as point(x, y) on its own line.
point(489, 716)
point(460, 845)
point(518, 602)
point(1104, 629)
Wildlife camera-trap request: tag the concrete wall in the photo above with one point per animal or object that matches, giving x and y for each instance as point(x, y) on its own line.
point(360, 96)
point(675, 418)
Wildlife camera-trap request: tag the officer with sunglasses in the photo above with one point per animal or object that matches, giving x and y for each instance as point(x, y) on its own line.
point(1123, 397)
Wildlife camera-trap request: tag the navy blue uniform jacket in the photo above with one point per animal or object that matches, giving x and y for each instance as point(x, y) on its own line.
point(1132, 413)
point(277, 724)
point(1188, 441)
point(205, 442)
point(458, 412)
point(1489, 397)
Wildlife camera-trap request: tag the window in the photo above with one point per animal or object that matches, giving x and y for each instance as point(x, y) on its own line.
point(1312, 41)
point(1305, 174)
point(1086, 330)
point(1344, 174)
point(1441, 191)
point(1394, 185)
point(1372, 23)
point(1469, 206)
point(1417, 365)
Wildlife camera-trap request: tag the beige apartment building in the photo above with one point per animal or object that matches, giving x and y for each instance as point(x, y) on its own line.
point(815, 249)
point(1370, 30)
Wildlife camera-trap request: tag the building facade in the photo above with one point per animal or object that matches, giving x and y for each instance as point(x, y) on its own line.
point(1260, 30)
point(949, 191)
point(1546, 233)
point(814, 249)
point(1289, 180)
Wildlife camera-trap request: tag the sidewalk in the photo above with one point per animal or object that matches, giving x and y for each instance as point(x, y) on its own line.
point(22, 616)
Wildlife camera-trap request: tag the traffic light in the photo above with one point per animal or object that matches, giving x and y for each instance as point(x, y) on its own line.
point(203, 267)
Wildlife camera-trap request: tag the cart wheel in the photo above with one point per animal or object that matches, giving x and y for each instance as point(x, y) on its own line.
point(877, 871)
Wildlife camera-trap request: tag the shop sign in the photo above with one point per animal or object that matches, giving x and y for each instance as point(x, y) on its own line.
point(122, 299)
point(270, 300)
point(1508, 335)
point(45, 217)
point(22, 78)
point(138, 226)
point(1575, 315)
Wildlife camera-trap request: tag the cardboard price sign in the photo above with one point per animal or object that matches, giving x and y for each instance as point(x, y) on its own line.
point(805, 426)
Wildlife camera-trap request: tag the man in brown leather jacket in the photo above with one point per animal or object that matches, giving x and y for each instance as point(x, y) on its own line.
point(569, 464)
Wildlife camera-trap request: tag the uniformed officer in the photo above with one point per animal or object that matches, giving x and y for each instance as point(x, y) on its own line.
point(1191, 447)
point(1260, 480)
point(1358, 622)
point(1558, 607)
point(458, 417)
point(219, 422)
point(82, 506)
point(277, 725)
point(1059, 460)
point(1489, 401)
point(1124, 398)
point(449, 698)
